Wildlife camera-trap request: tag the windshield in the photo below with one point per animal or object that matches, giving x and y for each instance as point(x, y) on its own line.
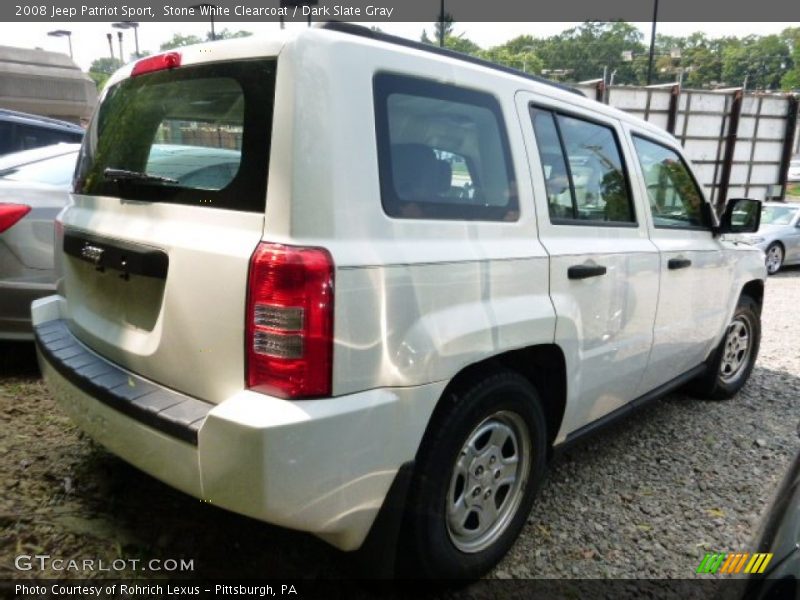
point(778, 215)
point(193, 135)
point(52, 171)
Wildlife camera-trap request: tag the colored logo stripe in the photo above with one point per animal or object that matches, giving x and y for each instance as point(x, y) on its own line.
point(711, 563)
point(732, 563)
point(758, 563)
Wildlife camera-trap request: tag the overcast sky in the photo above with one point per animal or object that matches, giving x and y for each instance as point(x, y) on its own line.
point(89, 39)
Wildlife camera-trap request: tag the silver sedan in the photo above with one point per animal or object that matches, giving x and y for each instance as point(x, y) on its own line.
point(32, 192)
point(779, 235)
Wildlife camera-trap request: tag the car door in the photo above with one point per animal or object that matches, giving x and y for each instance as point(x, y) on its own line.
point(793, 241)
point(603, 267)
point(696, 271)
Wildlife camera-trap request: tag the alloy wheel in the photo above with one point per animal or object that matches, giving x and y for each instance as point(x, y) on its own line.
point(488, 481)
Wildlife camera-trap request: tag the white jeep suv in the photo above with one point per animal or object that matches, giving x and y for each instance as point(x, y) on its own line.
point(357, 286)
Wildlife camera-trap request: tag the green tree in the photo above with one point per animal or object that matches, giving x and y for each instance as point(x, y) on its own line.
point(585, 50)
point(515, 56)
point(179, 40)
point(101, 69)
point(459, 43)
point(762, 61)
point(791, 79)
point(225, 34)
point(441, 30)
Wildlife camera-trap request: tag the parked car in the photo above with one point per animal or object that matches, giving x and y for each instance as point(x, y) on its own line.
point(778, 236)
point(32, 192)
point(779, 536)
point(22, 131)
point(794, 170)
point(398, 302)
point(24, 157)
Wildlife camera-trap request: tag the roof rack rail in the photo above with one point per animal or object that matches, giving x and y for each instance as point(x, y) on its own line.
point(361, 31)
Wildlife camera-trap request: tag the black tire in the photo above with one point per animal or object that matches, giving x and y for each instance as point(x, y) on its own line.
point(724, 378)
point(501, 404)
point(774, 257)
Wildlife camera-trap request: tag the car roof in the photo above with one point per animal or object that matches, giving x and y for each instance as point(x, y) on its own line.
point(38, 121)
point(25, 157)
point(273, 43)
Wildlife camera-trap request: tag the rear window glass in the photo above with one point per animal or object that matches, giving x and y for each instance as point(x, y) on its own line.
point(192, 135)
point(442, 152)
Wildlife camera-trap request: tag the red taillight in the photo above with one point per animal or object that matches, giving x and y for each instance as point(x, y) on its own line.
point(10, 214)
point(289, 329)
point(159, 62)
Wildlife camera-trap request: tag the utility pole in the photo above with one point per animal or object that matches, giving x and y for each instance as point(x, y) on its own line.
point(130, 25)
point(652, 44)
point(110, 45)
point(121, 55)
point(63, 33)
point(441, 23)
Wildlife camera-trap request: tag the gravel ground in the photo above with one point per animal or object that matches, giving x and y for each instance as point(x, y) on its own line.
point(644, 499)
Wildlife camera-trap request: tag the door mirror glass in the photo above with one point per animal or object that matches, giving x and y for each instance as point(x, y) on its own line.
point(742, 215)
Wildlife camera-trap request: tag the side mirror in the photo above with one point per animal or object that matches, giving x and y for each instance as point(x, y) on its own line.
point(742, 215)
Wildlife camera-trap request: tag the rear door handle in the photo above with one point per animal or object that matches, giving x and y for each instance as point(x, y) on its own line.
point(585, 271)
point(678, 263)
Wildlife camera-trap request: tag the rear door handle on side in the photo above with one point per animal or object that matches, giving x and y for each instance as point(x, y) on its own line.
point(585, 271)
point(678, 263)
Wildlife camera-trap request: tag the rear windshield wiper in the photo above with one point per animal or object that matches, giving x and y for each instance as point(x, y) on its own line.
point(125, 175)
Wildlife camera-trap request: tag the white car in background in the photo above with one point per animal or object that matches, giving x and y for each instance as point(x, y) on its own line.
point(794, 170)
point(778, 236)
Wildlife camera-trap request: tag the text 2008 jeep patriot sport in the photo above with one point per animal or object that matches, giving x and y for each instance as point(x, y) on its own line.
point(308, 277)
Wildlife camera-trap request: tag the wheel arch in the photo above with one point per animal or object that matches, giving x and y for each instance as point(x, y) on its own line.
point(543, 365)
point(755, 290)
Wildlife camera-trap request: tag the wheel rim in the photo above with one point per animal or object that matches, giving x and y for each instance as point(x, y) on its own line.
point(488, 481)
point(774, 259)
point(736, 352)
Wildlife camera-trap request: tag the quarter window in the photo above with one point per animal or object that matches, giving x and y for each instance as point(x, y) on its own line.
point(442, 152)
point(675, 199)
point(583, 170)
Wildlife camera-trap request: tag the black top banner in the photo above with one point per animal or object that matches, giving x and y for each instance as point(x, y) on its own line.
point(403, 10)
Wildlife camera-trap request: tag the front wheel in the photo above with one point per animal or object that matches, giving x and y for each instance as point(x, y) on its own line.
point(774, 258)
point(476, 475)
point(731, 364)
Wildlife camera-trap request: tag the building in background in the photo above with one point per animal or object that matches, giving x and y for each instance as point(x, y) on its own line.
point(45, 83)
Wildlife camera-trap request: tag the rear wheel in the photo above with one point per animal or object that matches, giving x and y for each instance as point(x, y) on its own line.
point(476, 476)
point(774, 258)
point(732, 362)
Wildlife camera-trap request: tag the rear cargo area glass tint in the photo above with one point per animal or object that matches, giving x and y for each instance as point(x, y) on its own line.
point(192, 135)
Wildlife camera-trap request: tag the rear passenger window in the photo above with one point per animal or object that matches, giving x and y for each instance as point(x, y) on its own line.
point(583, 170)
point(442, 152)
point(675, 198)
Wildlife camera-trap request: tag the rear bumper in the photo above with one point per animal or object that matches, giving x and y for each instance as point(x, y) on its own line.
point(323, 466)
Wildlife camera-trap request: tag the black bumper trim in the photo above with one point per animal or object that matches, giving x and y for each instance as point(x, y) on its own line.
point(157, 407)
